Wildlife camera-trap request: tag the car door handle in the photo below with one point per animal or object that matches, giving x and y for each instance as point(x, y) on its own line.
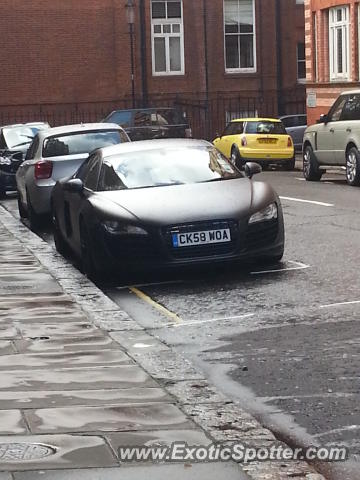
point(332, 130)
point(348, 129)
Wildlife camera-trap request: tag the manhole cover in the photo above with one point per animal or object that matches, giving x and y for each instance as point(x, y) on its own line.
point(15, 452)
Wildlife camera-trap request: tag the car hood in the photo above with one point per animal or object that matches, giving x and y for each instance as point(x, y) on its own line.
point(185, 203)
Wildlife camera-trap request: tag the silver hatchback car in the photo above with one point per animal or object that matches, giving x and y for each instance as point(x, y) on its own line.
point(335, 140)
point(57, 153)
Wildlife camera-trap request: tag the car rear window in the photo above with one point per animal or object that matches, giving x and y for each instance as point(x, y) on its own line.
point(265, 127)
point(170, 117)
point(121, 117)
point(81, 142)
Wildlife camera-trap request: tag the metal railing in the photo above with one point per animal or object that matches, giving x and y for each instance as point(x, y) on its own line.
point(206, 116)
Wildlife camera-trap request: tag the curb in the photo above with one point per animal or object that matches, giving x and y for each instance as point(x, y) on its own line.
point(220, 418)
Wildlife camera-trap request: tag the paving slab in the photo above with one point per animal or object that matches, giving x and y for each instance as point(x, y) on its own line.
point(106, 419)
point(7, 347)
point(213, 471)
point(63, 398)
point(59, 451)
point(37, 308)
point(124, 376)
point(12, 422)
point(8, 331)
point(50, 329)
point(64, 359)
point(65, 344)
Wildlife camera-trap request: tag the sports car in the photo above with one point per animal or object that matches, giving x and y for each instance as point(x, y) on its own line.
point(165, 203)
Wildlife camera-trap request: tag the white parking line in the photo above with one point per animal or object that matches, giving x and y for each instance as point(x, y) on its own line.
point(301, 179)
point(314, 202)
point(298, 266)
point(331, 305)
point(211, 320)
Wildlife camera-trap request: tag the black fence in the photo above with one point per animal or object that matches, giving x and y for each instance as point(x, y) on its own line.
point(205, 116)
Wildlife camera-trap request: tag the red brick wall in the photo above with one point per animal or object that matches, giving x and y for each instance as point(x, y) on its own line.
point(66, 51)
point(61, 51)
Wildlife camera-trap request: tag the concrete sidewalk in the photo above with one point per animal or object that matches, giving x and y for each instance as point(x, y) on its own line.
point(73, 388)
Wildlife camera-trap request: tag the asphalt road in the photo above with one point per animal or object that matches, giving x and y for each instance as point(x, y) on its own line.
point(284, 343)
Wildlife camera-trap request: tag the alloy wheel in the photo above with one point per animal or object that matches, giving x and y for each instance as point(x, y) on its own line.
point(307, 162)
point(351, 166)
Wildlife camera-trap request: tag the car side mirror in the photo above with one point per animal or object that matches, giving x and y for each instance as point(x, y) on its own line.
point(252, 168)
point(217, 135)
point(323, 118)
point(74, 185)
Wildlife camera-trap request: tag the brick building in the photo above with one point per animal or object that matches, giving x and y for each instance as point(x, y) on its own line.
point(69, 60)
point(332, 52)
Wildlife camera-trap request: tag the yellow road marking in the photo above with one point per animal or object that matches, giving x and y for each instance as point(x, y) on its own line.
point(175, 318)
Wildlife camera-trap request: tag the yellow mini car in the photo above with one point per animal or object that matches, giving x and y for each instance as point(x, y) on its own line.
point(261, 140)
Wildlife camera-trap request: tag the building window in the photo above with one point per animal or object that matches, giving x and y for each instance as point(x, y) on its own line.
point(240, 41)
point(167, 37)
point(301, 63)
point(339, 43)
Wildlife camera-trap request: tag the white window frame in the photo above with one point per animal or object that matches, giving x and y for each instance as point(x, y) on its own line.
point(168, 21)
point(300, 79)
point(241, 70)
point(334, 27)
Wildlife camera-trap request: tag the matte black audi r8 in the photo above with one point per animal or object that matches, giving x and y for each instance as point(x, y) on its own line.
point(161, 203)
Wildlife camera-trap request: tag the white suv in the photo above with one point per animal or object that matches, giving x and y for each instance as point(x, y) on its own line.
point(335, 140)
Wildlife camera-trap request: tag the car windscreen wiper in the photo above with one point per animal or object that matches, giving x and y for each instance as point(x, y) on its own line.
point(220, 179)
point(21, 144)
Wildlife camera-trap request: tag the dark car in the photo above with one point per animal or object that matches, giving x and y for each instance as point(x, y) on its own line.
point(295, 126)
point(151, 123)
point(14, 143)
point(165, 203)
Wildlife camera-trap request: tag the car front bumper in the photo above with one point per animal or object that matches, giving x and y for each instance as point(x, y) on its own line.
point(259, 241)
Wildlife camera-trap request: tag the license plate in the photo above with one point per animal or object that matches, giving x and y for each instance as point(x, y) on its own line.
point(267, 140)
point(205, 237)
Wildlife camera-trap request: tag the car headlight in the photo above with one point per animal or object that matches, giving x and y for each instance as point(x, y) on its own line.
point(113, 226)
point(268, 213)
point(5, 161)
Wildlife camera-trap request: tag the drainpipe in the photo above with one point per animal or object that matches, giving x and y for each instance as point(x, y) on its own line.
point(278, 35)
point(143, 41)
point(206, 69)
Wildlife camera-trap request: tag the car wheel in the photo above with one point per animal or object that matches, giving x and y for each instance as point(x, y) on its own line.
point(22, 211)
point(60, 244)
point(310, 166)
point(235, 158)
point(87, 255)
point(353, 167)
point(35, 220)
point(290, 164)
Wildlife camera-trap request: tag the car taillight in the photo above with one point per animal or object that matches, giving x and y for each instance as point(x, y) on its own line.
point(290, 143)
point(188, 133)
point(43, 169)
point(243, 142)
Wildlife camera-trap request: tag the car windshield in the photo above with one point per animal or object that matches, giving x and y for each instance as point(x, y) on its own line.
point(266, 127)
point(78, 143)
point(165, 166)
point(20, 137)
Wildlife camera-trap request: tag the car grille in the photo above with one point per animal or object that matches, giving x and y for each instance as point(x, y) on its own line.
point(261, 234)
point(206, 250)
point(133, 248)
